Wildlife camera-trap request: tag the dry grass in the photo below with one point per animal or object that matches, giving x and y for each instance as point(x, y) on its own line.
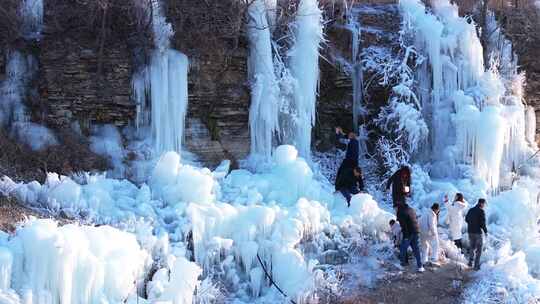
point(72, 155)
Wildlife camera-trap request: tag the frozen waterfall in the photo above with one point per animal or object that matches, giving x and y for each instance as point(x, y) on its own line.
point(304, 67)
point(32, 17)
point(160, 89)
point(264, 109)
point(476, 116)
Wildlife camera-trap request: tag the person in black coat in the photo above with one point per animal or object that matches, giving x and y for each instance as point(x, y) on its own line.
point(401, 185)
point(476, 221)
point(410, 229)
point(353, 147)
point(350, 182)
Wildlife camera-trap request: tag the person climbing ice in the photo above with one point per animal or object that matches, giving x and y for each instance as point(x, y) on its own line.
point(455, 218)
point(429, 235)
point(410, 229)
point(353, 147)
point(476, 224)
point(401, 185)
point(349, 183)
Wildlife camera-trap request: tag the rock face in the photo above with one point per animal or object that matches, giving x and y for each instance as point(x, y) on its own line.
point(85, 69)
point(211, 34)
point(523, 29)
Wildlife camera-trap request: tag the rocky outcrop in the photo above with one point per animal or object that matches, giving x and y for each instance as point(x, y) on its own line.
point(212, 35)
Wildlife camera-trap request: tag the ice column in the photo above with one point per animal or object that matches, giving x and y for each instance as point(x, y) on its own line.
point(32, 17)
point(263, 113)
point(356, 65)
point(164, 82)
point(304, 67)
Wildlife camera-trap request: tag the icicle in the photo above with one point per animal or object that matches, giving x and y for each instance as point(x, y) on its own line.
point(355, 29)
point(32, 17)
point(164, 81)
point(304, 66)
point(263, 113)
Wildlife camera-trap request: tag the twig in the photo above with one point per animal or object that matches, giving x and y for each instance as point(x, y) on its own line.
point(272, 281)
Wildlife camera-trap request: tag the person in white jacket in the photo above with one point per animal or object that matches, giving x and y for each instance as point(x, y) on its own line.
point(429, 235)
point(455, 218)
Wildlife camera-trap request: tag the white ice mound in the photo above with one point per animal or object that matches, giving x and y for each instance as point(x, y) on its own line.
point(74, 264)
point(174, 182)
point(365, 213)
point(285, 154)
point(289, 179)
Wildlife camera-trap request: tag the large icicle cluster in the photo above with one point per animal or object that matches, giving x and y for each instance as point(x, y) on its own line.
point(304, 66)
point(160, 89)
point(474, 117)
point(283, 92)
point(46, 264)
point(481, 133)
point(263, 112)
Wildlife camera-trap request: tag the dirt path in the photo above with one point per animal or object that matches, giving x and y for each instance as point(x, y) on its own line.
point(442, 285)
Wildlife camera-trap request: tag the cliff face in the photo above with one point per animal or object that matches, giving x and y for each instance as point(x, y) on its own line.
point(86, 65)
point(523, 29)
point(87, 56)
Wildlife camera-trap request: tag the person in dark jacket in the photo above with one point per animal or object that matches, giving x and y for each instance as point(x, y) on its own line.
point(353, 147)
point(350, 182)
point(476, 221)
point(401, 185)
point(406, 217)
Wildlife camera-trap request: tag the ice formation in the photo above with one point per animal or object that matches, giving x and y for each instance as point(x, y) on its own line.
point(355, 28)
point(21, 67)
point(304, 67)
point(160, 89)
point(263, 113)
point(190, 233)
point(284, 217)
point(31, 12)
point(481, 135)
point(474, 117)
point(44, 263)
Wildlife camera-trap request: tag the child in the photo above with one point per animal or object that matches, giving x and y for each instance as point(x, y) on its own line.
point(395, 232)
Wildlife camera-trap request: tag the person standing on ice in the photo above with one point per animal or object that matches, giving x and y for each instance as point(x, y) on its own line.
point(410, 229)
point(401, 185)
point(455, 217)
point(350, 182)
point(429, 235)
point(476, 220)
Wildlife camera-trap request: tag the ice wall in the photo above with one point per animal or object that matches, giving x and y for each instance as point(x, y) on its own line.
point(476, 116)
point(264, 109)
point(304, 67)
point(160, 89)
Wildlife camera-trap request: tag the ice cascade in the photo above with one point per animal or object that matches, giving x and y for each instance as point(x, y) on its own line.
point(264, 109)
point(160, 89)
point(304, 67)
point(476, 116)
